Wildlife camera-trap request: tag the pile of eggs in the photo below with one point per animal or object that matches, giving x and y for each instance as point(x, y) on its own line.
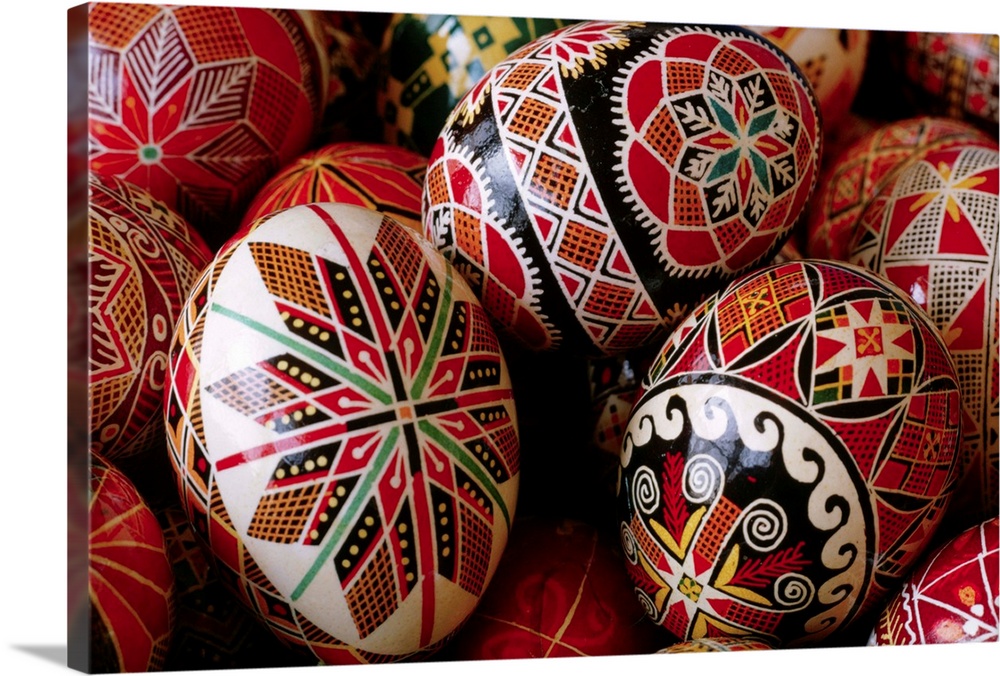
point(418, 337)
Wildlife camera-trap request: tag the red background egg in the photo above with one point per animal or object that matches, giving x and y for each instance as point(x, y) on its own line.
point(200, 105)
point(144, 257)
point(560, 591)
point(131, 581)
point(951, 597)
point(386, 178)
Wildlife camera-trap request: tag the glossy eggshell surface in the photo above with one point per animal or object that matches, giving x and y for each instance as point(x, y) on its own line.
point(934, 231)
point(131, 581)
point(852, 178)
point(605, 177)
point(791, 454)
point(386, 178)
point(560, 591)
point(200, 105)
point(951, 597)
point(341, 423)
point(143, 259)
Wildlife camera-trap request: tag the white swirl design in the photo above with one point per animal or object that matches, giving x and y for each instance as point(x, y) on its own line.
point(646, 603)
point(764, 525)
point(628, 544)
point(645, 490)
point(794, 591)
point(703, 479)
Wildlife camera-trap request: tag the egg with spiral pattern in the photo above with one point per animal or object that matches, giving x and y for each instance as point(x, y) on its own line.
point(792, 452)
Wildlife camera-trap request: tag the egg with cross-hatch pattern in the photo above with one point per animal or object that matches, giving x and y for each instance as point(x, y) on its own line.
point(599, 182)
point(340, 421)
point(791, 454)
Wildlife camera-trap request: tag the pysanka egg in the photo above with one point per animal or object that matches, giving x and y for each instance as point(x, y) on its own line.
point(850, 180)
point(605, 177)
point(386, 178)
point(144, 258)
point(341, 423)
point(951, 597)
point(934, 231)
point(200, 105)
point(131, 582)
point(790, 456)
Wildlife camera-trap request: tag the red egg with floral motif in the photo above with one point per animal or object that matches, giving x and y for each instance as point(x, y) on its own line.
point(934, 231)
point(143, 259)
point(951, 597)
point(602, 179)
point(791, 454)
point(378, 176)
point(341, 423)
point(131, 581)
point(201, 105)
point(851, 178)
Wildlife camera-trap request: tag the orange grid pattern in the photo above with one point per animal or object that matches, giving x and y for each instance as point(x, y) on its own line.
point(273, 104)
point(482, 338)
point(117, 28)
point(521, 76)
point(720, 523)
point(664, 137)
point(373, 598)
point(730, 61)
point(688, 208)
point(401, 253)
point(290, 274)
point(683, 76)
point(437, 184)
point(467, 235)
point(213, 33)
point(532, 119)
point(477, 540)
point(582, 245)
point(554, 180)
point(608, 300)
point(283, 516)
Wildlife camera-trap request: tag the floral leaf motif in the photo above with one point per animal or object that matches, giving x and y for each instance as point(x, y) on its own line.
point(698, 164)
point(219, 94)
point(784, 171)
point(782, 126)
point(754, 91)
point(675, 507)
point(695, 117)
point(159, 60)
point(102, 90)
point(762, 572)
point(719, 86)
point(758, 202)
point(726, 198)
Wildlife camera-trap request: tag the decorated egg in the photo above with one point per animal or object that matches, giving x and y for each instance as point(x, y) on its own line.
point(951, 597)
point(386, 178)
point(833, 60)
point(428, 62)
point(934, 231)
point(719, 644)
point(143, 259)
point(131, 581)
point(791, 454)
point(211, 628)
point(850, 180)
point(201, 105)
point(560, 591)
point(952, 74)
point(341, 424)
point(608, 175)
